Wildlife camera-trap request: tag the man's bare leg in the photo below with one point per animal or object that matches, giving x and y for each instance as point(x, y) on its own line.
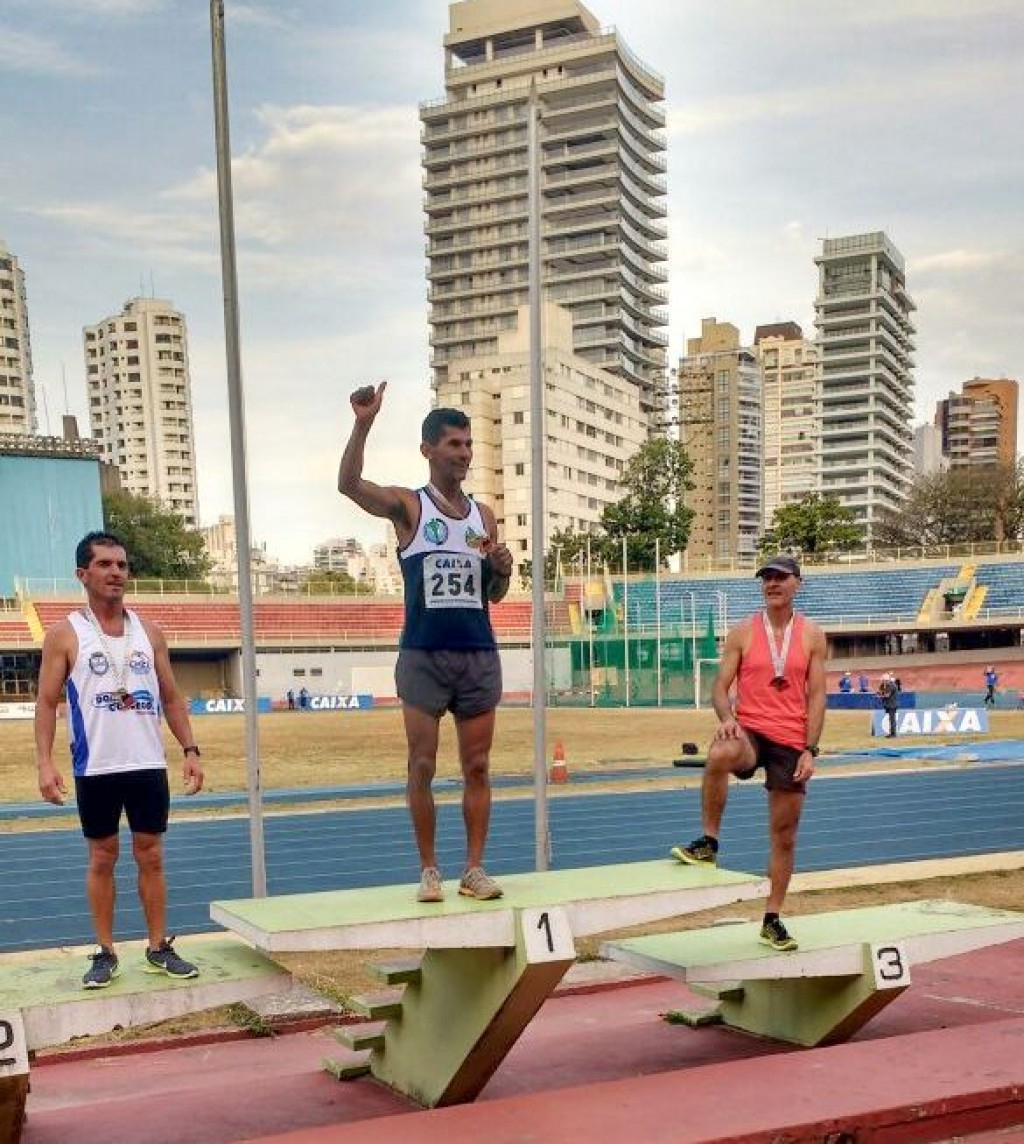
point(784, 809)
point(100, 887)
point(726, 757)
point(149, 858)
point(421, 733)
point(475, 738)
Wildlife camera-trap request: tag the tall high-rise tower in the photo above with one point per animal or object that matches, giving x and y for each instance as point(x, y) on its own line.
point(720, 423)
point(865, 337)
point(140, 403)
point(17, 391)
point(792, 453)
point(603, 187)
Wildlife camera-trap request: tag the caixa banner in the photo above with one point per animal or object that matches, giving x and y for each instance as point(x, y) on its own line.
point(933, 721)
point(340, 702)
point(229, 706)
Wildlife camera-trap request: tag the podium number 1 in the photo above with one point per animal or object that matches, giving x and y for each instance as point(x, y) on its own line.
point(547, 936)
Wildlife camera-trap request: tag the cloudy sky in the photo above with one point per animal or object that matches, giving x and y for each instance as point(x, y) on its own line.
point(788, 121)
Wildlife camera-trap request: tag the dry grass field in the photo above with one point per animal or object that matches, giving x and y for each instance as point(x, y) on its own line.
point(333, 748)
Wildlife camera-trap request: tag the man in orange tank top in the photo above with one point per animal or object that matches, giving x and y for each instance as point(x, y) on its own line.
point(776, 658)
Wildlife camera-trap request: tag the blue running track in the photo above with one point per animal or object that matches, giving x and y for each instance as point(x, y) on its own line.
point(854, 821)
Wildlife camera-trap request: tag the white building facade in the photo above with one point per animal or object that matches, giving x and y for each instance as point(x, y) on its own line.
point(594, 424)
point(140, 402)
point(603, 188)
point(865, 338)
point(17, 389)
point(792, 438)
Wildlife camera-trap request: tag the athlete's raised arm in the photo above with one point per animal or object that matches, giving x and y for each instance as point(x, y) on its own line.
point(390, 501)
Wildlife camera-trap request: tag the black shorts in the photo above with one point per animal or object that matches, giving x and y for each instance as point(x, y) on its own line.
point(466, 683)
point(778, 760)
point(144, 797)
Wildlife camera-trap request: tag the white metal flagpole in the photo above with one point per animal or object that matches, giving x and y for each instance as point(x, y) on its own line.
point(657, 613)
point(538, 479)
point(625, 612)
point(236, 411)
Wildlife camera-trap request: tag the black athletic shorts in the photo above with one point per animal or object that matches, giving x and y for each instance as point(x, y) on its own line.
point(466, 683)
point(143, 796)
point(778, 760)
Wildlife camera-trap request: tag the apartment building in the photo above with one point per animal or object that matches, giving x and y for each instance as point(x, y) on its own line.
point(865, 339)
point(333, 555)
point(595, 423)
point(979, 424)
point(792, 450)
point(17, 390)
point(928, 455)
point(140, 403)
point(603, 190)
point(721, 427)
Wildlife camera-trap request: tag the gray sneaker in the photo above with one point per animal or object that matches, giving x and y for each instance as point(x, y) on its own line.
point(165, 960)
point(105, 967)
point(430, 889)
point(477, 883)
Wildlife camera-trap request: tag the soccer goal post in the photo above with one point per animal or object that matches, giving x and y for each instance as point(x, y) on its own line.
point(704, 672)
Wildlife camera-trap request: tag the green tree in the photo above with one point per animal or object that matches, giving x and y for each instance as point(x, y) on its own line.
point(322, 582)
point(564, 550)
point(159, 543)
point(652, 515)
point(969, 505)
point(816, 524)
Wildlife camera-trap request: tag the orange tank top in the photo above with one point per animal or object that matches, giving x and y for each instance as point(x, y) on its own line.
point(778, 714)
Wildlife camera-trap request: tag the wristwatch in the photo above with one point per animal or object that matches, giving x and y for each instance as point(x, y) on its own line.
point(812, 750)
point(193, 750)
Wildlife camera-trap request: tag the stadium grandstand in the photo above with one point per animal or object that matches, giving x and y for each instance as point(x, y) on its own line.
point(945, 618)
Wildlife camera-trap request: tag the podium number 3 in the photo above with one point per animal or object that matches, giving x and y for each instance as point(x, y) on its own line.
point(891, 966)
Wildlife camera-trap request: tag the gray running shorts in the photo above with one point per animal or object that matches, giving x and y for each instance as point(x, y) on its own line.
point(466, 683)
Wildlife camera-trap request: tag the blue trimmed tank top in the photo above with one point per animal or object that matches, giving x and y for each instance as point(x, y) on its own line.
point(106, 736)
point(446, 582)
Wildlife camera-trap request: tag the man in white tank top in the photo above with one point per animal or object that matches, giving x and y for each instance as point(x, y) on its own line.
point(453, 567)
point(117, 673)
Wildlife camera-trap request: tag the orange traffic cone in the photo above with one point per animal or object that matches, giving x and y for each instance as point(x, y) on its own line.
point(559, 771)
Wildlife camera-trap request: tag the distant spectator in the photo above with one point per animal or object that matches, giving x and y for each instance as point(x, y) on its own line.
point(290, 696)
point(303, 699)
point(845, 683)
point(991, 679)
point(889, 694)
point(863, 683)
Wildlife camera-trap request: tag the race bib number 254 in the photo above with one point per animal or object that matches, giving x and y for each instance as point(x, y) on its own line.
point(452, 580)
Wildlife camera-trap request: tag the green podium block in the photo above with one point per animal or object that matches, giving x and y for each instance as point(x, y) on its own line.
point(850, 964)
point(45, 987)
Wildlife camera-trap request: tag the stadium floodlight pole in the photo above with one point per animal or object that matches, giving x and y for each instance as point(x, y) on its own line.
point(590, 625)
point(538, 479)
point(657, 612)
point(236, 411)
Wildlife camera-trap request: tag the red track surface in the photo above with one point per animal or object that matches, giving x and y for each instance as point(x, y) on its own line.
point(946, 1058)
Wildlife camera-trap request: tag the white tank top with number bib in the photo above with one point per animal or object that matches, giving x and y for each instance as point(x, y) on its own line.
point(111, 734)
point(446, 582)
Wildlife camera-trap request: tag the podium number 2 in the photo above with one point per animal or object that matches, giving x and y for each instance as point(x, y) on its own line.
point(6, 1042)
point(892, 969)
point(13, 1056)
